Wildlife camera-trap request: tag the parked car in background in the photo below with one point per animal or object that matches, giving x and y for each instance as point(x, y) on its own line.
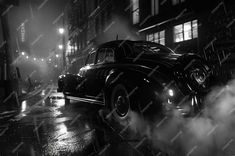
point(139, 76)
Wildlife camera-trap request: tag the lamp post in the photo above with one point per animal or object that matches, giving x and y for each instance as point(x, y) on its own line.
point(62, 47)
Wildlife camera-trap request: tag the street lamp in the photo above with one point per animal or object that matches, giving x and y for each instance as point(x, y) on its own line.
point(34, 59)
point(57, 55)
point(60, 46)
point(27, 57)
point(61, 30)
point(63, 46)
point(42, 60)
point(23, 53)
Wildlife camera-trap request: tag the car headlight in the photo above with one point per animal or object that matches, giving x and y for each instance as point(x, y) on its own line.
point(199, 76)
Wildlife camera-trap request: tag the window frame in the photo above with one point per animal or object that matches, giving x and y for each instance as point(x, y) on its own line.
point(113, 51)
point(88, 57)
point(97, 57)
point(158, 39)
point(104, 61)
point(193, 31)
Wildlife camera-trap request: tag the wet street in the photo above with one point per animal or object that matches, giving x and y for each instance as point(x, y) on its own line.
point(45, 126)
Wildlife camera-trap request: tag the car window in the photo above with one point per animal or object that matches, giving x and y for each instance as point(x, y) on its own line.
point(150, 48)
point(91, 58)
point(101, 55)
point(109, 57)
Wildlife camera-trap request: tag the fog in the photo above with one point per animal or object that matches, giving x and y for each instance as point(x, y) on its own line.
point(37, 70)
point(211, 132)
point(118, 28)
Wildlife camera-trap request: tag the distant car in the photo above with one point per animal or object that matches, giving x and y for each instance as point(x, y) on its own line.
point(139, 76)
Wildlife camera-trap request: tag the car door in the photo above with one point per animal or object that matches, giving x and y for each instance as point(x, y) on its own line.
point(97, 70)
point(100, 65)
point(105, 59)
point(89, 75)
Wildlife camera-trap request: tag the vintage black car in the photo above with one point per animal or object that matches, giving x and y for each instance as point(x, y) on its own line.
point(139, 76)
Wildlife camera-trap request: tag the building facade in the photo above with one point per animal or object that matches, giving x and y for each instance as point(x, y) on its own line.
point(92, 22)
point(203, 27)
point(187, 26)
point(6, 80)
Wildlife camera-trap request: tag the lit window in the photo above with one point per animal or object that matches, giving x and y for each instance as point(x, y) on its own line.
point(186, 31)
point(175, 2)
point(150, 37)
point(158, 37)
point(195, 29)
point(135, 11)
point(155, 7)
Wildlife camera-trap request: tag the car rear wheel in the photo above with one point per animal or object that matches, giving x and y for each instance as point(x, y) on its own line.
point(120, 104)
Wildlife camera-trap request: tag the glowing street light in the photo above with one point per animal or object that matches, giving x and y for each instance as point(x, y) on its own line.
point(27, 57)
point(23, 53)
point(63, 46)
point(50, 60)
point(60, 46)
point(42, 60)
point(34, 59)
point(171, 92)
point(61, 30)
point(57, 55)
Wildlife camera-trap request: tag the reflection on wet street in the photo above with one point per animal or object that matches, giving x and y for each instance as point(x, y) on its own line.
point(45, 126)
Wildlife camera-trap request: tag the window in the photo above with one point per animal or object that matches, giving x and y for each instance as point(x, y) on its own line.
point(186, 31)
point(175, 2)
point(150, 48)
point(105, 55)
point(109, 57)
point(91, 58)
point(158, 37)
point(101, 56)
point(155, 7)
point(135, 11)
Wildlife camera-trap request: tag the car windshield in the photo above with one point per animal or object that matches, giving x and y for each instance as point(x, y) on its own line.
point(151, 48)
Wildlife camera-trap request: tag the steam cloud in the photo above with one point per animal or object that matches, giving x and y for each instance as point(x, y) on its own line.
point(211, 133)
point(118, 29)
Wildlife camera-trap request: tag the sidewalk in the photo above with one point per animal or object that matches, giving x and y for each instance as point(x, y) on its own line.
point(12, 103)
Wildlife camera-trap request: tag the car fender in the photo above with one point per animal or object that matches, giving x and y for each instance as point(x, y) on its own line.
point(140, 84)
point(70, 82)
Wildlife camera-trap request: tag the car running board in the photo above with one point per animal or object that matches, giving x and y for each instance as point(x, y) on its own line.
point(91, 101)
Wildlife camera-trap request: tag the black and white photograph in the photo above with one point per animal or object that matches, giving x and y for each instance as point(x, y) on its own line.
point(117, 78)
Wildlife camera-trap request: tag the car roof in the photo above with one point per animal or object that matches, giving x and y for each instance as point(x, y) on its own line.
point(131, 43)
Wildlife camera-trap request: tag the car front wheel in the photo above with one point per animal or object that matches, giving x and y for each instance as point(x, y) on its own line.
point(67, 101)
